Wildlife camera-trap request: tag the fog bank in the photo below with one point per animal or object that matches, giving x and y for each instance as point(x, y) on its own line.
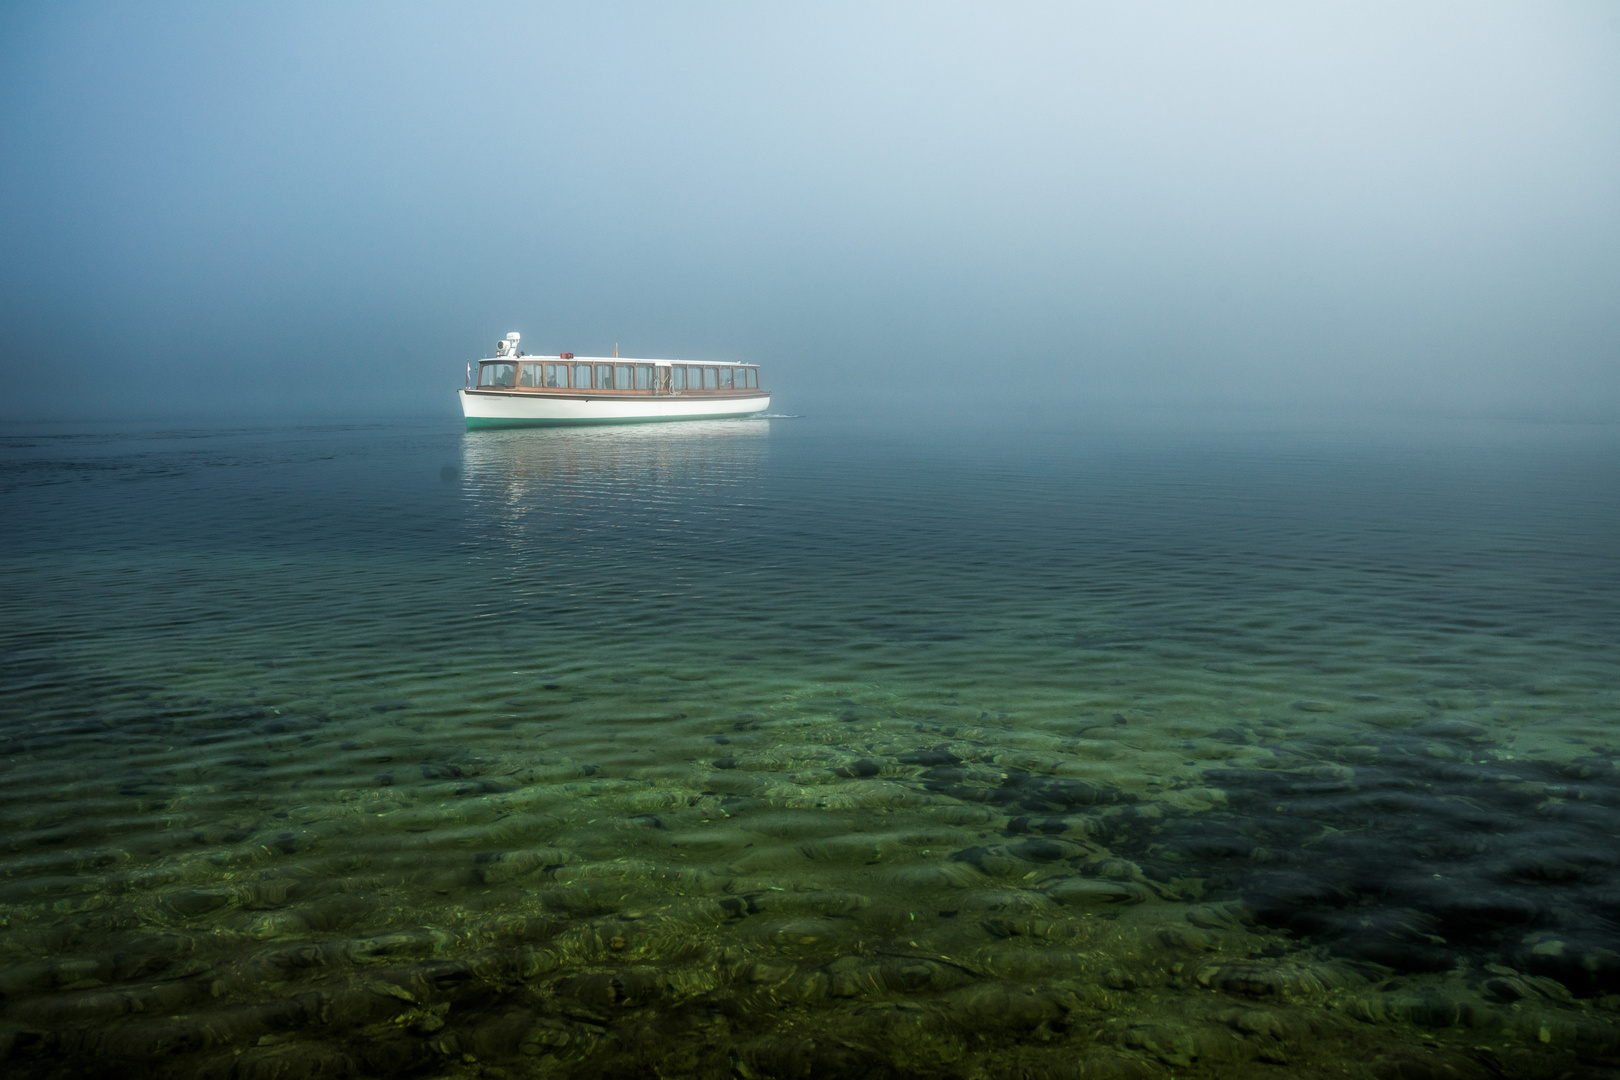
point(950, 209)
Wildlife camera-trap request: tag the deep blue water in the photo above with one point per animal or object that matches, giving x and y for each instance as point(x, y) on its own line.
point(785, 747)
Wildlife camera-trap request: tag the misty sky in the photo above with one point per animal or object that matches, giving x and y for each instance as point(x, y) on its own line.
point(326, 209)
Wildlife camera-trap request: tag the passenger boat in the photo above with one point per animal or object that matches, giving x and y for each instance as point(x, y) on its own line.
point(514, 389)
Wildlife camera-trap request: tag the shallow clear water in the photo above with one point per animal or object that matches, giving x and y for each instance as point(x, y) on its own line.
point(777, 749)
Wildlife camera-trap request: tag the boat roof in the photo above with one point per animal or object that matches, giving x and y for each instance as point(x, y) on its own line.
point(532, 358)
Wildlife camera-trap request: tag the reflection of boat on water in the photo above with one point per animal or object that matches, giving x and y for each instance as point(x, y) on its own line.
point(514, 390)
point(622, 456)
point(536, 486)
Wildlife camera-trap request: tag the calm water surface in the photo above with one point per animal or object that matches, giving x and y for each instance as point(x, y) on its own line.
point(775, 749)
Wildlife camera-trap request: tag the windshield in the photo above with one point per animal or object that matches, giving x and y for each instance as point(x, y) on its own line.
point(497, 375)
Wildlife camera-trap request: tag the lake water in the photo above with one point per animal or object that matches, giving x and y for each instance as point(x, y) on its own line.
point(780, 748)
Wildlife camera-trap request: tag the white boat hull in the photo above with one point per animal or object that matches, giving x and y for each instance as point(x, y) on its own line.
point(505, 408)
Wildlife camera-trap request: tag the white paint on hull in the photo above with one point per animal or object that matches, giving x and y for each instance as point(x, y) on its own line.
point(502, 408)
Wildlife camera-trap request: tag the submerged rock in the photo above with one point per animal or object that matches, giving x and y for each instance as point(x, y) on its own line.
point(929, 758)
point(991, 861)
point(190, 903)
point(1091, 892)
point(1282, 980)
point(1183, 1046)
point(495, 867)
point(1004, 1007)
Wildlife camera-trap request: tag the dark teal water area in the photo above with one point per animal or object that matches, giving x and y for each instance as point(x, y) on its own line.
point(774, 748)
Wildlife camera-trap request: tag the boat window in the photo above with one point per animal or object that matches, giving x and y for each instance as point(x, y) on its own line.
point(582, 376)
point(556, 374)
point(528, 374)
point(711, 378)
point(604, 376)
point(621, 376)
point(497, 375)
point(644, 379)
point(677, 378)
point(753, 378)
point(725, 378)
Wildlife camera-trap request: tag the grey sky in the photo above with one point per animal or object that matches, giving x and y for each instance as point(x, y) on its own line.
point(327, 209)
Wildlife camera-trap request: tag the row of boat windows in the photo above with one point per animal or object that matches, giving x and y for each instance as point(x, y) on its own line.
point(617, 377)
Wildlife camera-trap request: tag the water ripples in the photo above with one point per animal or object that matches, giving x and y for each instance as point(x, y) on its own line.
point(754, 749)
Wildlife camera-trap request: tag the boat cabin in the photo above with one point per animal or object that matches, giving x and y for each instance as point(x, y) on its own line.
point(613, 375)
point(513, 389)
